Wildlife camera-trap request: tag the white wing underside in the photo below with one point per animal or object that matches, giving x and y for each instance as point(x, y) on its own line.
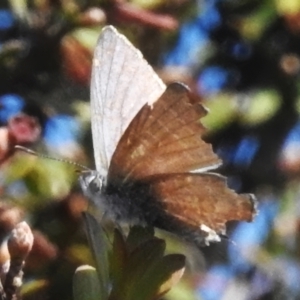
point(122, 82)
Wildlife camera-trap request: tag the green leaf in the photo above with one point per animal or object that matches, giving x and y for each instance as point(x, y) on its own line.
point(222, 111)
point(170, 271)
point(86, 284)
point(139, 261)
point(137, 235)
point(262, 106)
point(160, 277)
point(118, 258)
point(99, 245)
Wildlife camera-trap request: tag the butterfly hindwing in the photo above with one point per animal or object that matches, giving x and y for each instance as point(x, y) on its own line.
point(202, 199)
point(199, 204)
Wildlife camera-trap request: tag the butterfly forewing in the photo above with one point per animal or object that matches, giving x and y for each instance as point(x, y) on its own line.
point(164, 138)
point(122, 82)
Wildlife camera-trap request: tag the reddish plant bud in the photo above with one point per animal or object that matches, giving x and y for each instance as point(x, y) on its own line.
point(126, 12)
point(20, 241)
point(23, 129)
point(77, 60)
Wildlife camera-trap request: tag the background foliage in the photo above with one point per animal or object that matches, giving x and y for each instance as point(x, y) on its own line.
point(240, 57)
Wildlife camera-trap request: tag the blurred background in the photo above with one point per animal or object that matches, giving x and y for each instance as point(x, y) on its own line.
point(241, 57)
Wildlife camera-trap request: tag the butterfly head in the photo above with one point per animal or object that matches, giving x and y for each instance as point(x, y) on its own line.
point(92, 183)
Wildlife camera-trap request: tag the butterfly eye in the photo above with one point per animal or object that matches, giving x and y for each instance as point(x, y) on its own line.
point(91, 182)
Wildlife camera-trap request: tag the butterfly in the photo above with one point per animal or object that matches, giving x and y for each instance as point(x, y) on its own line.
point(152, 165)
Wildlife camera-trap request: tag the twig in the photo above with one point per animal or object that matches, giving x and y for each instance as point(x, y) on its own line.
point(19, 245)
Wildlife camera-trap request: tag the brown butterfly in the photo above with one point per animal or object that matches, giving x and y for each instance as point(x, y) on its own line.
point(152, 165)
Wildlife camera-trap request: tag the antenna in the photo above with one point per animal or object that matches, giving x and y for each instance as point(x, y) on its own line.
point(32, 152)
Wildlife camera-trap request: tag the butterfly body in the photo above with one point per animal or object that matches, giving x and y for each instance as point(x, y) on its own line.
point(122, 204)
point(152, 164)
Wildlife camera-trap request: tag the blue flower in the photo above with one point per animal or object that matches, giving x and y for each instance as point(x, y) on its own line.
point(212, 80)
point(241, 50)
point(192, 38)
point(10, 105)
point(6, 19)
point(293, 136)
point(251, 235)
point(245, 151)
point(215, 282)
point(210, 18)
point(60, 130)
